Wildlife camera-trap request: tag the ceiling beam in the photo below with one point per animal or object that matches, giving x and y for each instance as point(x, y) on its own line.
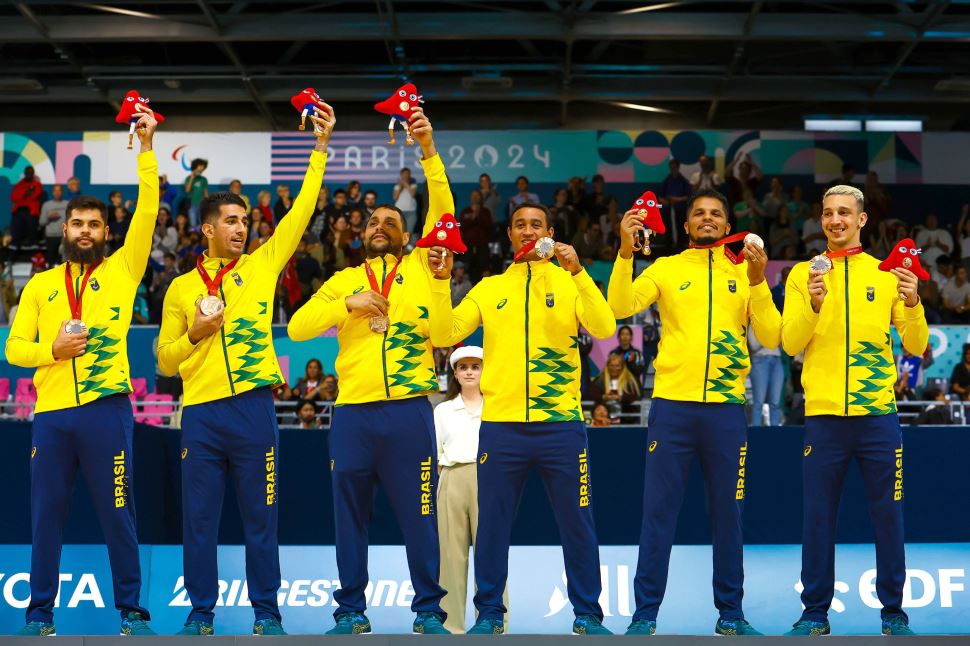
point(735, 60)
point(933, 12)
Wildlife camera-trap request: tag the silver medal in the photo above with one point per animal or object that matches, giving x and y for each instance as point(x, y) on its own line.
point(75, 326)
point(754, 239)
point(820, 264)
point(545, 247)
point(211, 305)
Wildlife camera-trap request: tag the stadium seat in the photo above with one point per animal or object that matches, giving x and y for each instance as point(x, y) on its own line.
point(4, 389)
point(139, 387)
point(155, 406)
point(25, 394)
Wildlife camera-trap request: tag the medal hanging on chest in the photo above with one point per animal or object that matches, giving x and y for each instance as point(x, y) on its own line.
point(212, 303)
point(379, 324)
point(76, 325)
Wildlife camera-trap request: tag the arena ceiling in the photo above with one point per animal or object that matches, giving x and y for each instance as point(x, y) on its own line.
point(525, 64)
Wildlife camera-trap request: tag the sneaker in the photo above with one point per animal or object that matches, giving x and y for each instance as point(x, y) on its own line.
point(896, 626)
point(268, 627)
point(589, 625)
point(734, 627)
point(135, 624)
point(642, 627)
point(805, 628)
point(36, 629)
point(350, 623)
point(430, 623)
point(487, 627)
point(199, 628)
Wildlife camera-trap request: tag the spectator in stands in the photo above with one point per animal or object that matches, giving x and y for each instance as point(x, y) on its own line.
point(929, 296)
point(235, 187)
point(476, 232)
point(742, 173)
point(576, 188)
point(405, 196)
point(165, 385)
point(767, 381)
point(960, 377)
point(909, 368)
point(674, 193)
point(956, 298)
point(616, 387)
point(263, 199)
point(339, 207)
point(782, 233)
point(116, 199)
point(354, 250)
point(563, 216)
point(748, 213)
point(778, 291)
point(265, 232)
point(963, 235)
point(8, 295)
point(196, 189)
point(491, 199)
point(772, 202)
point(308, 270)
point(117, 227)
point(318, 223)
point(937, 413)
point(182, 226)
point(284, 202)
point(370, 204)
point(601, 206)
point(161, 281)
point(52, 222)
point(165, 238)
point(140, 311)
point(812, 235)
point(523, 194)
point(588, 240)
point(307, 386)
point(632, 358)
point(799, 209)
point(167, 193)
point(706, 178)
point(460, 285)
point(306, 414)
point(942, 272)
point(354, 197)
point(600, 415)
point(74, 188)
point(26, 198)
point(934, 241)
point(328, 389)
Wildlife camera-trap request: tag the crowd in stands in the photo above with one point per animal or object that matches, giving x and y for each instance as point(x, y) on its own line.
point(584, 214)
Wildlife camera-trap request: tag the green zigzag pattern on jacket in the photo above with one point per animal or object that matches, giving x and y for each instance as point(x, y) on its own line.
point(550, 361)
point(872, 388)
point(402, 336)
point(245, 333)
point(728, 380)
point(103, 347)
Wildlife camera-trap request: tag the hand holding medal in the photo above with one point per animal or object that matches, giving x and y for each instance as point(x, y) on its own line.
point(209, 312)
point(380, 322)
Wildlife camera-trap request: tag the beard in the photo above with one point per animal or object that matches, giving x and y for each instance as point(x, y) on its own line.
point(75, 253)
point(383, 247)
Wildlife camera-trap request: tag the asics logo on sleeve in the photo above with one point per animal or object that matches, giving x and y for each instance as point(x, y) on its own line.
point(501, 303)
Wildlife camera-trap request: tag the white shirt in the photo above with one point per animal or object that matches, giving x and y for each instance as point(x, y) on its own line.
point(705, 182)
point(456, 430)
point(926, 239)
point(405, 201)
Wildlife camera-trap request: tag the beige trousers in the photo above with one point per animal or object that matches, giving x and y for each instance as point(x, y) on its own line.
point(457, 526)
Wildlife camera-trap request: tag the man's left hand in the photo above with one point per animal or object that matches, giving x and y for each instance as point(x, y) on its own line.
point(757, 262)
point(440, 261)
point(568, 259)
point(908, 286)
point(145, 127)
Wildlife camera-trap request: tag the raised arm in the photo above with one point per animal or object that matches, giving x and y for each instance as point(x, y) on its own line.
point(281, 245)
point(440, 199)
point(624, 295)
point(138, 241)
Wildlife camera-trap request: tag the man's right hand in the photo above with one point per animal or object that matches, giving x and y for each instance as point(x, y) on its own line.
point(817, 290)
point(68, 346)
point(205, 326)
point(631, 223)
point(368, 303)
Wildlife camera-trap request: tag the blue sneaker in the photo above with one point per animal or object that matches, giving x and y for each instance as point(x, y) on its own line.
point(268, 627)
point(429, 623)
point(805, 628)
point(896, 626)
point(643, 627)
point(734, 627)
point(198, 628)
point(135, 624)
point(589, 625)
point(487, 627)
point(36, 629)
point(350, 623)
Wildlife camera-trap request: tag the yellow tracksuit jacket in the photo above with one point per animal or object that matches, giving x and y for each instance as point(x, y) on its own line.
point(849, 368)
point(705, 305)
point(531, 314)
point(398, 363)
point(241, 356)
point(106, 309)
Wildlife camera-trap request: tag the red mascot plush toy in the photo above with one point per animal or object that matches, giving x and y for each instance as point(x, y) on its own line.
point(128, 115)
point(305, 102)
point(444, 234)
point(648, 207)
point(905, 255)
point(399, 106)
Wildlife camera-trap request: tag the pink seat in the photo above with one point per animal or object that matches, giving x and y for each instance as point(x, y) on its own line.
point(155, 405)
point(25, 394)
point(4, 389)
point(139, 387)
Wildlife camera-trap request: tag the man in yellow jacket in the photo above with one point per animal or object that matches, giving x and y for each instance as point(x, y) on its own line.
point(532, 416)
point(383, 429)
point(216, 332)
point(706, 303)
point(72, 325)
point(838, 309)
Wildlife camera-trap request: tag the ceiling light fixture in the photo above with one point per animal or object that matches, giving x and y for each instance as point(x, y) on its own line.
point(649, 7)
point(642, 108)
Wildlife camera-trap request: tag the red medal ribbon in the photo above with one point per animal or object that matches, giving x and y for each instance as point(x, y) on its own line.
point(388, 281)
point(525, 249)
point(75, 301)
point(723, 241)
point(844, 252)
point(213, 284)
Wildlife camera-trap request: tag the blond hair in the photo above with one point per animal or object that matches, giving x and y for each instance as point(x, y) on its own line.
point(851, 191)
